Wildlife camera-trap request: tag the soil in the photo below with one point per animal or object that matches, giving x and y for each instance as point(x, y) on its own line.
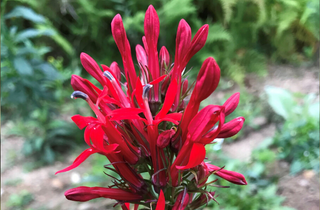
point(301, 191)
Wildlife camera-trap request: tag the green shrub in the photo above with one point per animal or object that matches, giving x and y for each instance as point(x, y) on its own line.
point(297, 139)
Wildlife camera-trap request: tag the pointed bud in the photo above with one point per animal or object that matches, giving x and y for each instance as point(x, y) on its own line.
point(232, 103)
point(83, 85)
point(183, 40)
point(92, 67)
point(231, 128)
point(151, 26)
point(164, 58)
point(230, 176)
point(115, 68)
point(141, 56)
point(197, 43)
point(120, 37)
point(207, 80)
point(164, 138)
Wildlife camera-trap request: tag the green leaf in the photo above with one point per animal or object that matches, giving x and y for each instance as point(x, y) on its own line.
point(281, 101)
point(30, 33)
point(22, 66)
point(25, 13)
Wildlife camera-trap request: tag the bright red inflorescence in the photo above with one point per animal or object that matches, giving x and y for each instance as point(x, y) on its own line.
point(151, 128)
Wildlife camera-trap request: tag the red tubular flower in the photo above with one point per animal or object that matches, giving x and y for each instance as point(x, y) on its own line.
point(207, 81)
point(88, 193)
point(151, 30)
point(120, 37)
point(148, 128)
point(230, 176)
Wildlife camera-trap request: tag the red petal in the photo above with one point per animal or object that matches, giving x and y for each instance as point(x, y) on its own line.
point(125, 111)
point(161, 204)
point(82, 122)
point(203, 121)
point(82, 157)
point(197, 155)
point(156, 81)
point(169, 99)
point(139, 90)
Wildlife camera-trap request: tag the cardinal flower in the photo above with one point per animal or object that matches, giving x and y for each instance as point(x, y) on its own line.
point(144, 124)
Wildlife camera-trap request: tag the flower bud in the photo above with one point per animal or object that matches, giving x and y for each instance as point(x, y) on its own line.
point(141, 56)
point(92, 68)
point(207, 80)
point(164, 138)
point(230, 176)
point(231, 128)
point(115, 68)
point(164, 58)
point(232, 103)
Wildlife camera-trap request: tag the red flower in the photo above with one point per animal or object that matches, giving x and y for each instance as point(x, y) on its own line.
point(150, 129)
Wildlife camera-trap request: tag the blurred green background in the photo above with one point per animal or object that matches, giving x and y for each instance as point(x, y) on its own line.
point(268, 50)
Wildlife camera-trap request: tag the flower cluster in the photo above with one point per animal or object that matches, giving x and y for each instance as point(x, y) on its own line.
point(150, 124)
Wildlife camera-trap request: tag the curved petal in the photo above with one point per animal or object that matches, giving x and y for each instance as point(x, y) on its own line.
point(169, 99)
point(197, 155)
point(82, 122)
point(82, 157)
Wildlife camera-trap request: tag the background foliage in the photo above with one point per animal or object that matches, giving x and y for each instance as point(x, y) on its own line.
point(41, 42)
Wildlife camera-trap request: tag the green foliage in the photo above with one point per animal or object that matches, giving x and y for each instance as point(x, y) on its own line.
point(32, 88)
point(19, 201)
point(297, 140)
point(259, 194)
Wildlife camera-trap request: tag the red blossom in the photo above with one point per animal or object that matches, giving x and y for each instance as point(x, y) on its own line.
point(147, 125)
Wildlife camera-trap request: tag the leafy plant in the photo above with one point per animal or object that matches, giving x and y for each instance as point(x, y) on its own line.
point(33, 89)
point(261, 193)
point(19, 201)
point(297, 140)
